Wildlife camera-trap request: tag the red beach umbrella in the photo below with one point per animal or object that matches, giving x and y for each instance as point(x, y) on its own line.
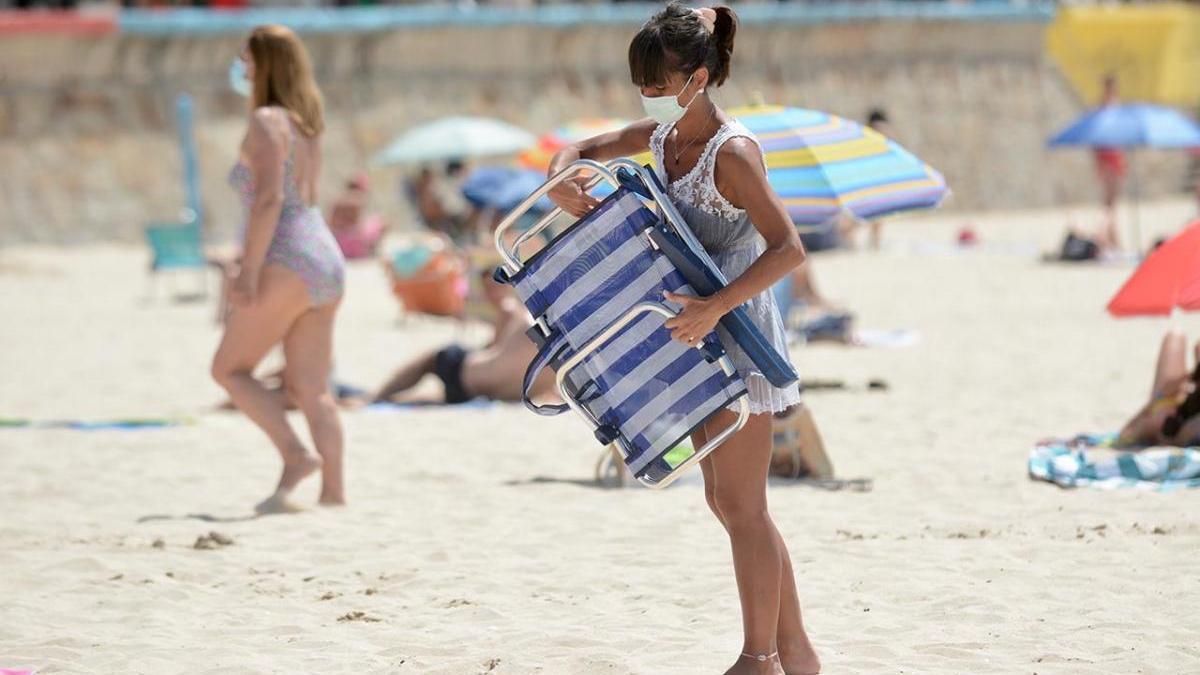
point(1168, 278)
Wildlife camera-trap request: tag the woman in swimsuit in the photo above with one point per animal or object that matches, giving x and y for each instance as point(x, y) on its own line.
point(1172, 417)
point(716, 176)
point(291, 278)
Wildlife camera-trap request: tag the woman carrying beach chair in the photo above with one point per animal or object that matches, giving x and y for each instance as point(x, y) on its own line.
point(716, 177)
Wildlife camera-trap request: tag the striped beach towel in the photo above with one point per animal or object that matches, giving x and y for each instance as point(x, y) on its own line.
point(1073, 463)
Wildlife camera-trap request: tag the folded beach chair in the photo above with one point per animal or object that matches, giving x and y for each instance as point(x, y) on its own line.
point(596, 294)
point(178, 246)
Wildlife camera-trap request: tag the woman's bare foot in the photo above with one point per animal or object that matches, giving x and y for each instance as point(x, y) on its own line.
point(356, 402)
point(746, 665)
point(332, 500)
point(277, 503)
point(297, 468)
point(799, 658)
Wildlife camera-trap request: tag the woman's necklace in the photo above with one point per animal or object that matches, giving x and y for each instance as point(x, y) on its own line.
point(678, 151)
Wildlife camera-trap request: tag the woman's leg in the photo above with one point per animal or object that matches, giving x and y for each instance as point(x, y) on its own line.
point(250, 332)
point(804, 288)
point(796, 653)
point(308, 351)
point(699, 438)
point(1172, 366)
point(876, 234)
point(1111, 181)
point(1169, 372)
point(406, 377)
point(735, 482)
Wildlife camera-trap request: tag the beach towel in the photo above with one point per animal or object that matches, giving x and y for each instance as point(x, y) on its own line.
point(478, 402)
point(1078, 462)
point(92, 425)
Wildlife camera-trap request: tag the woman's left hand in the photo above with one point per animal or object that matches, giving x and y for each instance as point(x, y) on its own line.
point(697, 318)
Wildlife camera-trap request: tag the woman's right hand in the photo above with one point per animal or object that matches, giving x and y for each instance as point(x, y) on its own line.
point(571, 195)
point(244, 290)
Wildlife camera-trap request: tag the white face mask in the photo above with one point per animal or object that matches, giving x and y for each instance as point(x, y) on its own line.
point(666, 109)
point(237, 78)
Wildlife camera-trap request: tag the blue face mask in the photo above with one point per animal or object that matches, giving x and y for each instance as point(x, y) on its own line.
point(237, 78)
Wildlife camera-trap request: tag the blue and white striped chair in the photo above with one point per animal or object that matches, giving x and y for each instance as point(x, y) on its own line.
point(596, 293)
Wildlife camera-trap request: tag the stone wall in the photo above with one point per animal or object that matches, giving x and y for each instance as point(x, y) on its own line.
point(88, 150)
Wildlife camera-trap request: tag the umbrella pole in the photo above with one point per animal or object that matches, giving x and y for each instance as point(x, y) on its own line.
point(1137, 193)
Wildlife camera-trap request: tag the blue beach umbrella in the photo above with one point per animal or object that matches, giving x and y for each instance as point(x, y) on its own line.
point(503, 188)
point(1130, 126)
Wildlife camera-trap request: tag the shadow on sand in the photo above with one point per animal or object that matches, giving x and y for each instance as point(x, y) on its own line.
point(579, 482)
point(203, 517)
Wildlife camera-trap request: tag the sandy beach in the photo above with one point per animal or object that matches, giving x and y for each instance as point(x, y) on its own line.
point(475, 541)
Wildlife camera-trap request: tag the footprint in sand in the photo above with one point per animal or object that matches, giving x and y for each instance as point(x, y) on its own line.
point(212, 541)
point(359, 616)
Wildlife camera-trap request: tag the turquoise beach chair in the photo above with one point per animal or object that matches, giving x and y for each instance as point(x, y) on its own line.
point(177, 247)
point(180, 245)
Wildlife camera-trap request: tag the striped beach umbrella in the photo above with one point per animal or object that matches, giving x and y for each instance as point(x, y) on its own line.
point(824, 166)
point(539, 156)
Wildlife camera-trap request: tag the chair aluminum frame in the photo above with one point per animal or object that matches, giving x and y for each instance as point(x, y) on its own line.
point(512, 264)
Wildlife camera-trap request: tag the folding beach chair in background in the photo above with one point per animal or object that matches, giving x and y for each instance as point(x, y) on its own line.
point(428, 277)
point(179, 246)
point(596, 295)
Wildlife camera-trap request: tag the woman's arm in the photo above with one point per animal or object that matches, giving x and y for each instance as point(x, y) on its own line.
point(266, 150)
point(570, 194)
point(742, 180)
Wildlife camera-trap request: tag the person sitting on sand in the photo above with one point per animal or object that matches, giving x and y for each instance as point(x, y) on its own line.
point(495, 372)
point(848, 225)
point(1172, 417)
point(357, 233)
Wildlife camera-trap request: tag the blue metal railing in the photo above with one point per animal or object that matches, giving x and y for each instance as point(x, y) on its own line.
point(190, 21)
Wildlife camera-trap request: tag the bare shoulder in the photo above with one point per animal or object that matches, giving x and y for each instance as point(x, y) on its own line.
point(740, 156)
point(269, 123)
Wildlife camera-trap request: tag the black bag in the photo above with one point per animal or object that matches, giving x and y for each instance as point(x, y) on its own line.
point(1078, 248)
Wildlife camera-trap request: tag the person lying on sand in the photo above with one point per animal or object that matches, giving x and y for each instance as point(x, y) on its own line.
point(495, 372)
point(1172, 417)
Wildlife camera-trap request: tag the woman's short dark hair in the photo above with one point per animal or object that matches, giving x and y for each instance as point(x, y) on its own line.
point(676, 41)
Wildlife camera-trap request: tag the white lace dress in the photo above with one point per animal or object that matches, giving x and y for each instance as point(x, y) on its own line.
point(733, 243)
